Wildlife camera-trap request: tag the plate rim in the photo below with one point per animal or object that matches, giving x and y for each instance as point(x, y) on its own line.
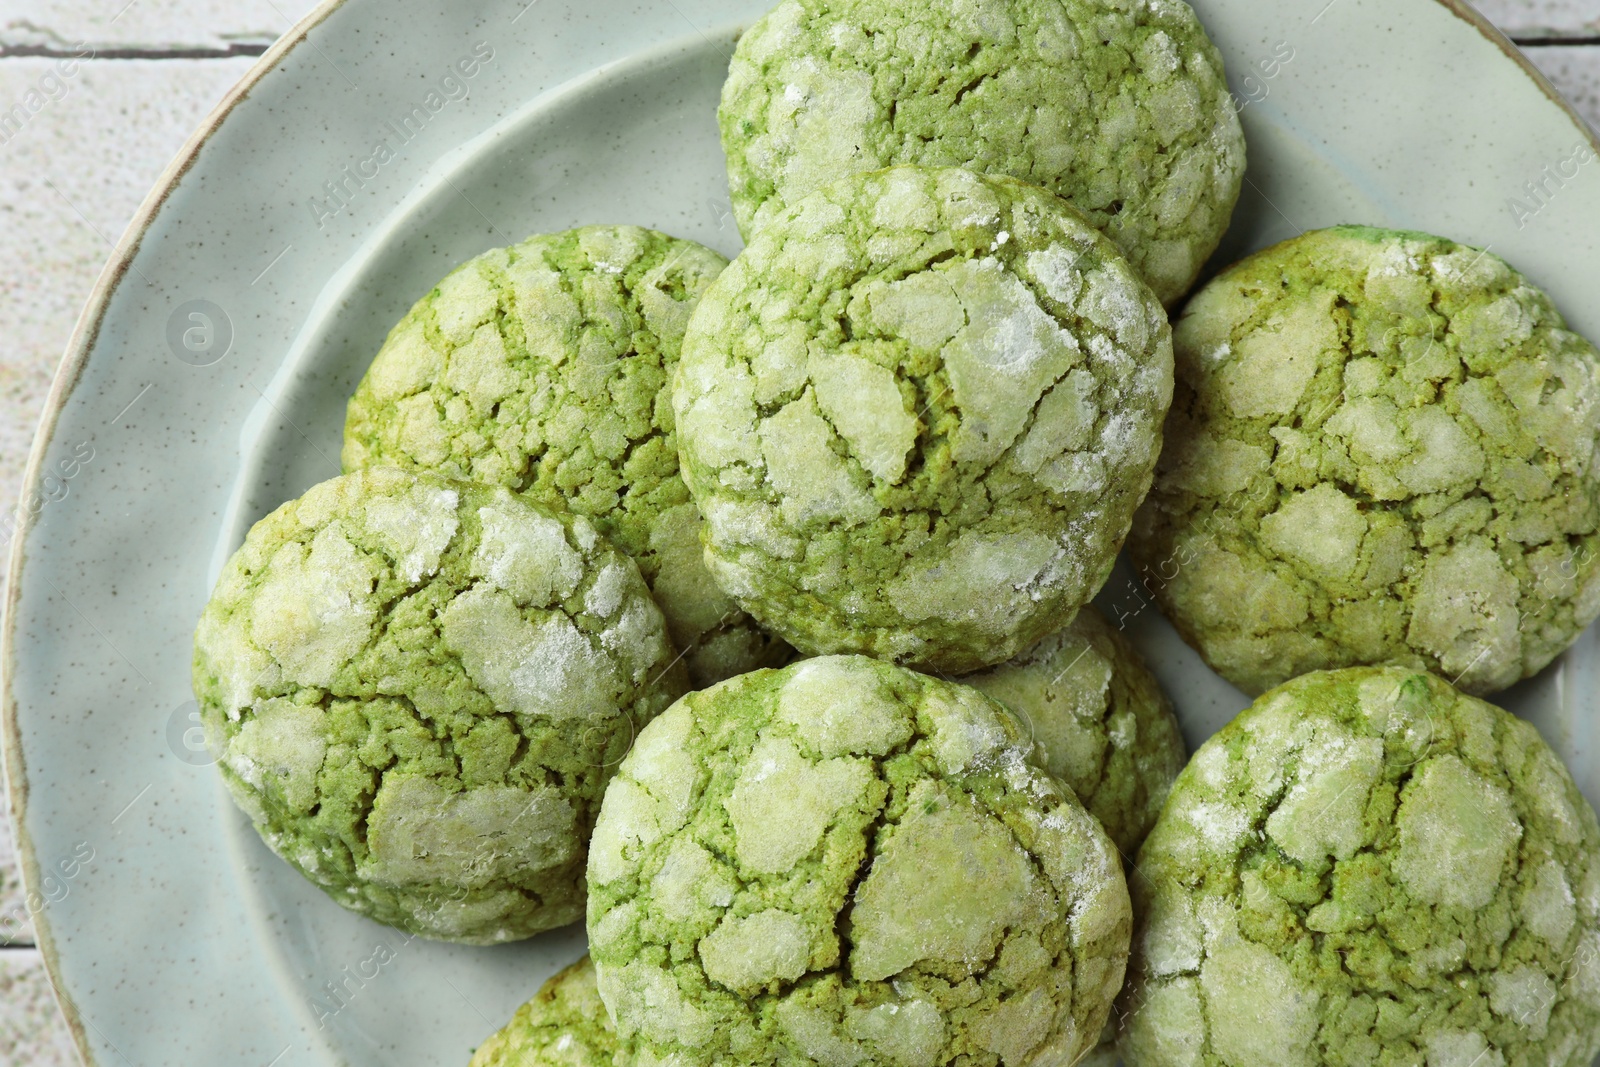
point(80, 347)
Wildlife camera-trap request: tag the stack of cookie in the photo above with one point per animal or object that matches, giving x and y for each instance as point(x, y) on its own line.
point(749, 603)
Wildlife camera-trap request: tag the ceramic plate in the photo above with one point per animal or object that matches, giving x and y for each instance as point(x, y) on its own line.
point(367, 154)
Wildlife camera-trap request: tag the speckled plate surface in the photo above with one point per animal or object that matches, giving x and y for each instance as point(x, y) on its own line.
point(207, 380)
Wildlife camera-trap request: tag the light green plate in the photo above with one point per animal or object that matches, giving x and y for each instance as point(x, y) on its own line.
point(207, 382)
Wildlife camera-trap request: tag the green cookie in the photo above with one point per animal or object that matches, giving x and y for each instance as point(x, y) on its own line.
point(1382, 450)
point(1121, 108)
point(1104, 728)
point(1368, 867)
point(564, 1025)
point(544, 368)
point(918, 413)
point(847, 862)
point(417, 690)
point(1103, 725)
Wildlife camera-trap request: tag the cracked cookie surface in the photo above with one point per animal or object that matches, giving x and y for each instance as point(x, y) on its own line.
point(918, 412)
point(1368, 867)
point(417, 689)
point(1102, 723)
point(1382, 449)
point(847, 862)
point(564, 1025)
point(545, 367)
point(1121, 108)
point(1104, 728)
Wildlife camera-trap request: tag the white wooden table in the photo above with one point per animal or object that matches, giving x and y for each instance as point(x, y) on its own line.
point(89, 140)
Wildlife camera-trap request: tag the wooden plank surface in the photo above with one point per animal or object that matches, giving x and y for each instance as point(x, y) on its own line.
point(1532, 19)
point(203, 27)
point(72, 175)
point(31, 1031)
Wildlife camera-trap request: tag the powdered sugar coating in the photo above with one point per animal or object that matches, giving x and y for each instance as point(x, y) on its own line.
point(544, 368)
point(1102, 723)
point(882, 879)
point(903, 444)
point(1121, 108)
point(1391, 882)
point(1384, 448)
point(421, 715)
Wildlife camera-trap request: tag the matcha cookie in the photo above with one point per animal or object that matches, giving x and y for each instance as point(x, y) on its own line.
point(1102, 723)
point(564, 1025)
point(1121, 108)
point(1104, 728)
point(1368, 867)
point(1382, 450)
point(544, 368)
point(848, 862)
point(417, 690)
point(918, 412)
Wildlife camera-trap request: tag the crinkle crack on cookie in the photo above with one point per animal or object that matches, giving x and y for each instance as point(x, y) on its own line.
point(847, 862)
point(1103, 727)
point(417, 689)
point(545, 368)
point(1382, 449)
point(1121, 108)
point(1101, 721)
point(918, 412)
point(1368, 867)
